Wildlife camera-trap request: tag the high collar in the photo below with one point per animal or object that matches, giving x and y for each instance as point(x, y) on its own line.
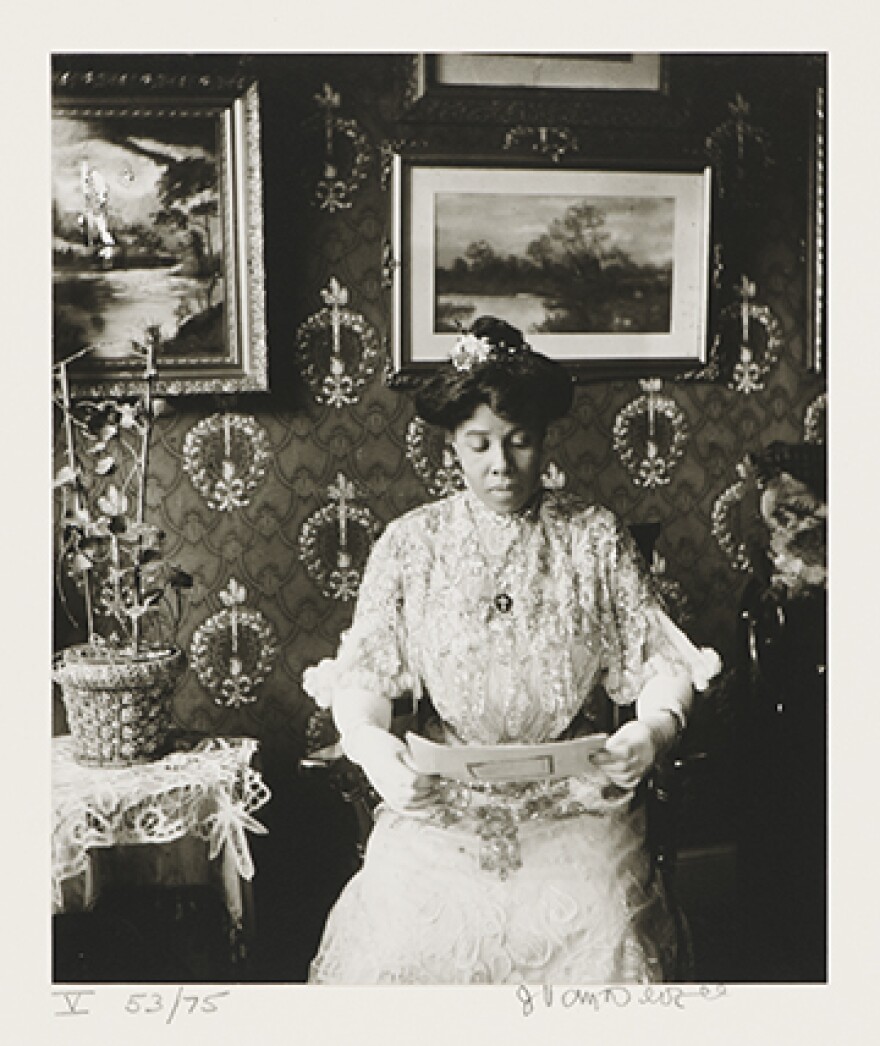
point(485, 515)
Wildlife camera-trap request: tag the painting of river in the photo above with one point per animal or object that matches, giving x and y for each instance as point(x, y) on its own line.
point(137, 235)
point(555, 263)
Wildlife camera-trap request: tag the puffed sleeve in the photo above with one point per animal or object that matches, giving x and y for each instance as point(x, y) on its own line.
point(372, 653)
point(638, 639)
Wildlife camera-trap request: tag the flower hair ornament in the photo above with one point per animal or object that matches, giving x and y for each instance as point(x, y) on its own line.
point(470, 350)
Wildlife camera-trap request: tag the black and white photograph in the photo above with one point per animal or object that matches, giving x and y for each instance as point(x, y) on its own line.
point(438, 538)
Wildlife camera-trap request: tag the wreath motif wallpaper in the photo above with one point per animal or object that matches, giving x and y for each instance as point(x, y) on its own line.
point(736, 112)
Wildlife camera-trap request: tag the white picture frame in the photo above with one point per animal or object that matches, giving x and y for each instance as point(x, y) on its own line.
point(645, 307)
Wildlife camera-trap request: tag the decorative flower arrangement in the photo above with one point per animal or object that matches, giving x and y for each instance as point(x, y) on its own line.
point(797, 522)
point(786, 544)
point(106, 547)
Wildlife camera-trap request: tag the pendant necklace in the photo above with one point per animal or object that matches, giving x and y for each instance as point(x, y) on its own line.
point(502, 600)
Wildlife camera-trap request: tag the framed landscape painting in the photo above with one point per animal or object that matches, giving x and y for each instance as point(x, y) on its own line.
point(606, 269)
point(157, 227)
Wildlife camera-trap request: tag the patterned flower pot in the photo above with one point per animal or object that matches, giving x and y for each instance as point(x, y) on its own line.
point(118, 705)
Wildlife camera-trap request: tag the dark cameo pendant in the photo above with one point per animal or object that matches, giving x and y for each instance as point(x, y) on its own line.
point(503, 602)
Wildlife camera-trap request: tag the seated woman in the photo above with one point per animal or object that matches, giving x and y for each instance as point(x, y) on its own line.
point(518, 611)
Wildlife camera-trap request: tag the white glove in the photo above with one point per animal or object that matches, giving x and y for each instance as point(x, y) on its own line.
point(382, 756)
point(632, 750)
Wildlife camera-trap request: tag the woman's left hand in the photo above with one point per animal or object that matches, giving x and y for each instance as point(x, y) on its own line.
point(628, 754)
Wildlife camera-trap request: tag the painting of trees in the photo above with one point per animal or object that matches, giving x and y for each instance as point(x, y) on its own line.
point(586, 271)
point(187, 191)
point(157, 258)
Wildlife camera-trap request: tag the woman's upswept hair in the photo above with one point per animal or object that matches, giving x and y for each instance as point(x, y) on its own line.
point(518, 384)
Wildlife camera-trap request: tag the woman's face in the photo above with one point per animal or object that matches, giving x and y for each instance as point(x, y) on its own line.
point(501, 460)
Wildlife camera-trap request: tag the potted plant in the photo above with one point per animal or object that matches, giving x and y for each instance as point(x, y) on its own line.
point(117, 685)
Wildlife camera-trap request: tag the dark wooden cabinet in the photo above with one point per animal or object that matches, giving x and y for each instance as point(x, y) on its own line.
point(782, 771)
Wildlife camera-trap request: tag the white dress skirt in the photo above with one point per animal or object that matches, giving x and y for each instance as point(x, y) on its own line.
point(582, 907)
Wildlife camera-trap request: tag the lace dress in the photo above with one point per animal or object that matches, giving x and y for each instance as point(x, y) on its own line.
point(546, 881)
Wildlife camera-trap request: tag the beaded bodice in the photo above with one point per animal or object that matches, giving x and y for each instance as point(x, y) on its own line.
point(579, 612)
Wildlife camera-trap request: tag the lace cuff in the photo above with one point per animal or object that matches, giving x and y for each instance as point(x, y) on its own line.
point(660, 648)
point(702, 663)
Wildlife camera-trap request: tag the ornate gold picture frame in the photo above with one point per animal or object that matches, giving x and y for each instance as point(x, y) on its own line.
point(157, 222)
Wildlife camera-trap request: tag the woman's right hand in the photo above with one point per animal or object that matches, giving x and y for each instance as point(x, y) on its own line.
point(382, 757)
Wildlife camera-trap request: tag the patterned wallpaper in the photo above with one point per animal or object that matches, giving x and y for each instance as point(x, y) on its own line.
point(761, 224)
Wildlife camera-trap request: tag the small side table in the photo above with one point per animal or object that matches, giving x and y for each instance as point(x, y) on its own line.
point(181, 820)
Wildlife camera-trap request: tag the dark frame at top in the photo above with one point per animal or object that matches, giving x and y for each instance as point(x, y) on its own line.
point(423, 98)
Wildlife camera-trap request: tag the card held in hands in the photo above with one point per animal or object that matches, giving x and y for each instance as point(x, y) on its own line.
point(496, 764)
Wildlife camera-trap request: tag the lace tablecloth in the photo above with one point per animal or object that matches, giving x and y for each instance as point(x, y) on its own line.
point(209, 792)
